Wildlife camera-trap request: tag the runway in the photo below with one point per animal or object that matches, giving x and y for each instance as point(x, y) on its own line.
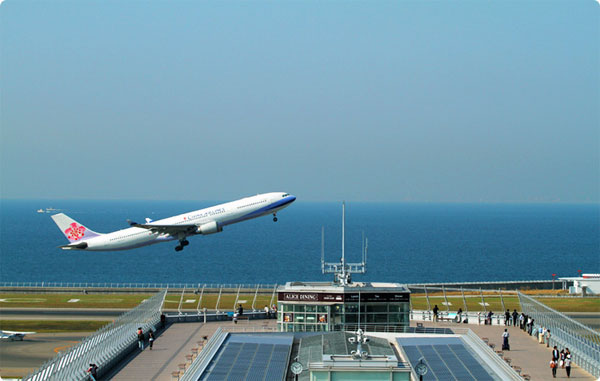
point(59, 313)
point(18, 358)
point(591, 319)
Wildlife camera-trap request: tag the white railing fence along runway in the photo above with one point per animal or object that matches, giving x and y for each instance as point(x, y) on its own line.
point(582, 341)
point(105, 346)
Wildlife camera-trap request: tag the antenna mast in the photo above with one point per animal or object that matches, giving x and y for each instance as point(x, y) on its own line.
point(343, 274)
point(343, 270)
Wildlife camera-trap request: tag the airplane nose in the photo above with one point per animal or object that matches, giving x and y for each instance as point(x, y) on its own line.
point(293, 198)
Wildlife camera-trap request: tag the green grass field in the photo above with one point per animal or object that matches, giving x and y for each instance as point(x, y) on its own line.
point(127, 301)
point(190, 301)
point(510, 302)
point(77, 300)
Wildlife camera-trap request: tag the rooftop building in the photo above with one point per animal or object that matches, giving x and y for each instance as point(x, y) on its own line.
point(330, 306)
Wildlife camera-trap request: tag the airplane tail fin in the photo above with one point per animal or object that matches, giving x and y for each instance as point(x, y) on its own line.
point(73, 230)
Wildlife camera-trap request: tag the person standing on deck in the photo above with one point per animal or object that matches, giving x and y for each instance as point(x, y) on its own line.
point(93, 371)
point(554, 362)
point(505, 345)
point(507, 318)
point(515, 317)
point(150, 339)
point(553, 367)
point(435, 312)
point(531, 326)
point(568, 365)
point(140, 336)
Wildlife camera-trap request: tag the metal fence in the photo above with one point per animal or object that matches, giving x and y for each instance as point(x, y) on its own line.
point(105, 346)
point(508, 284)
point(458, 297)
point(457, 285)
point(88, 285)
point(582, 341)
point(203, 360)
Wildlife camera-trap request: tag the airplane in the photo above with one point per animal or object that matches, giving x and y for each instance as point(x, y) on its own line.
point(12, 335)
point(204, 221)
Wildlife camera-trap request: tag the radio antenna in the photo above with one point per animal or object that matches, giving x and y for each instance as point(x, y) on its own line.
point(343, 270)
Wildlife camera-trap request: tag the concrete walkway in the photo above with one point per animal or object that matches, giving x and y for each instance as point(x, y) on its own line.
point(172, 346)
point(533, 358)
point(170, 350)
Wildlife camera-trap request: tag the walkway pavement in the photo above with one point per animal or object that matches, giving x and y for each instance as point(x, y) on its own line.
point(533, 358)
point(170, 350)
point(172, 346)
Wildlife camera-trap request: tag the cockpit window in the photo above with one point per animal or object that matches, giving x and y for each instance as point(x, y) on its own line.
point(285, 195)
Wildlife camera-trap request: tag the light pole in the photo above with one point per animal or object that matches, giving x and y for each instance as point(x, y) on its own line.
point(553, 276)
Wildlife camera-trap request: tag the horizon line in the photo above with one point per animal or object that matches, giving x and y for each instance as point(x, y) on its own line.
point(446, 202)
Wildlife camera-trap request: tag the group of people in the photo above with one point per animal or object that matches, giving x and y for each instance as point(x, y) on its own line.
point(271, 312)
point(526, 323)
point(543, 335)
point(561, 359)
point(142, 338)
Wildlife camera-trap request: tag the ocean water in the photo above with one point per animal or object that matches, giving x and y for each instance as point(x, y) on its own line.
point(408, 243)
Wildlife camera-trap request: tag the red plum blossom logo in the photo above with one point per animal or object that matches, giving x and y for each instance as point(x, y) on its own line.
point(75, 232)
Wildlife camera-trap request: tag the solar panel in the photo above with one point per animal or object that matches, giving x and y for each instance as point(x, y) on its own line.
point(250, 358)
point(446, 358)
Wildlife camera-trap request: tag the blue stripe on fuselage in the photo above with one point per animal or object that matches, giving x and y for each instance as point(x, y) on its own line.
point(264, 210)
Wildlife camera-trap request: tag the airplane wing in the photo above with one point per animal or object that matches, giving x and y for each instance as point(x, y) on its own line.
point(18, 333)
point(12, 335)
point(168, 229)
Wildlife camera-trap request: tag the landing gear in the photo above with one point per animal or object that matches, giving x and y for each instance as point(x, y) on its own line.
point(182, 243)
point(274, 217)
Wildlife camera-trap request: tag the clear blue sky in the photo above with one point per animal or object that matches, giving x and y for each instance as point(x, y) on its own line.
point(365, 101)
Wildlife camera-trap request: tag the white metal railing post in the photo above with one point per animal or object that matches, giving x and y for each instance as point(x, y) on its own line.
point(427, 298)
point(446, 299)
point(237, 297)
point(273, 296)
point(181, 301)
point(254, 300)
point(218, 299)
point(483, 301)
point(200, 299)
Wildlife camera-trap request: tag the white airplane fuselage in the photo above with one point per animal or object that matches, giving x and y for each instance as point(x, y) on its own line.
point(207, 221)
point(14, 336)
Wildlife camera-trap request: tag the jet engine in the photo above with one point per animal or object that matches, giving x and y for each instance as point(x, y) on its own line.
point(209, 228)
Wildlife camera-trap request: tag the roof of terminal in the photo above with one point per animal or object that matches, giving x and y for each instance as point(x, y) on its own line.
point(250, 356)
point(334, 287)
point(447, 358)
point(312, 348)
